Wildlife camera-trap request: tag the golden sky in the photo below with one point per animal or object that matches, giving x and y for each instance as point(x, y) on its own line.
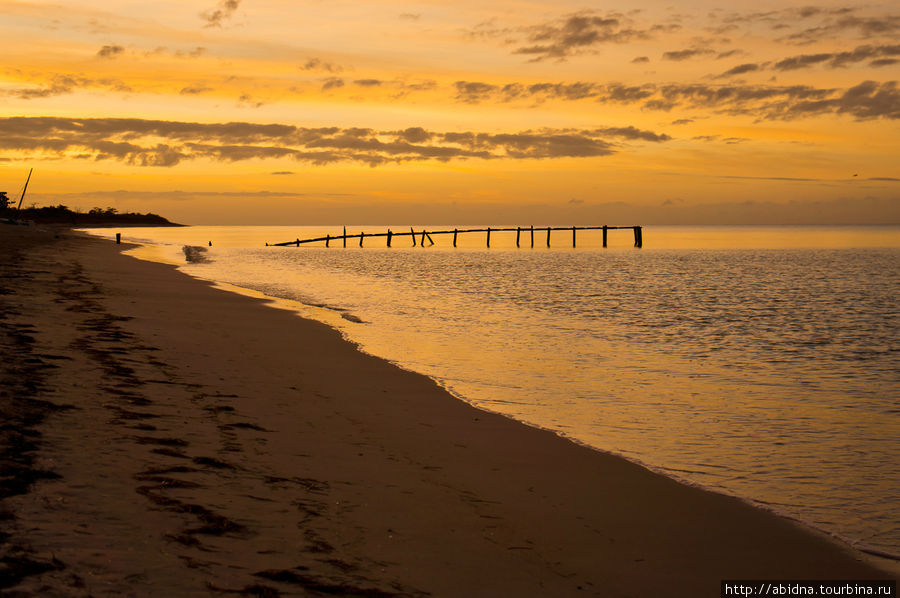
point(511, 111)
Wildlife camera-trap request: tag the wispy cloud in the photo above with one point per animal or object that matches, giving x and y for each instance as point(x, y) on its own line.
point(570, 35)
point(868, 100)
point(686, 54)
point(110, 51)
point(60, 84)
point(839, 59)
point(214, 17)
point(168, 143)
point(317, 64)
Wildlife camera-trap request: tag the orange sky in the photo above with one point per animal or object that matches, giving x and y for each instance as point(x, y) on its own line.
point(513, 111)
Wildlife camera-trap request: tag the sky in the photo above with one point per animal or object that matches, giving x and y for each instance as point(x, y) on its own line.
point(435, 112)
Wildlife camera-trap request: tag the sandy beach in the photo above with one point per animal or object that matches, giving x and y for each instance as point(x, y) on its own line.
point(165, 438)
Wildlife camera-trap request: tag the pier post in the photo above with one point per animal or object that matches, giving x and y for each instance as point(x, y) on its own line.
point(389, 233)
point(345, 236)
point(118, 238)
point(638, 242)
point(548, 236)
point(298, 242)
point(454, 237)
point(532, 236)
point(489, 237)
point(423, 237)
point(327, 240)
point(573, 237)
point(412, 234)
point(361, 237)
point(604, 236)
point(430, 241)
point(518, 232)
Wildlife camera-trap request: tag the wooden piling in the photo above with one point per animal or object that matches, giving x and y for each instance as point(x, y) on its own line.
point(425, 234)
point(118, 238)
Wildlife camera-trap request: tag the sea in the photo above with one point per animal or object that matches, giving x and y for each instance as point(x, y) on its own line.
point(759, 362)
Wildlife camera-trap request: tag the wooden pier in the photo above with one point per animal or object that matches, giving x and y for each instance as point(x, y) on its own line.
point(420, 237)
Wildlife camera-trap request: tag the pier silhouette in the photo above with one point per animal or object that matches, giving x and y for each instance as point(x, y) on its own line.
point(424, 235)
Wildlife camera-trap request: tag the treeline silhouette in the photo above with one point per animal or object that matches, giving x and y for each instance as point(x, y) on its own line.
point(61, 214)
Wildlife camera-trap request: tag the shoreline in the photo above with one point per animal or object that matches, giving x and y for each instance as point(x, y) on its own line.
point(259, 457)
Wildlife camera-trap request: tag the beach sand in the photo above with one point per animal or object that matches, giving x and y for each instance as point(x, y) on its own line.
point(165, 438)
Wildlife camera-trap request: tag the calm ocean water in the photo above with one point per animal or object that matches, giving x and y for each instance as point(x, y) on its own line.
point(760, 362)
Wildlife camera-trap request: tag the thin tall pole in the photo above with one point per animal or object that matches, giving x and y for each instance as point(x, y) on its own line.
point(25, 188)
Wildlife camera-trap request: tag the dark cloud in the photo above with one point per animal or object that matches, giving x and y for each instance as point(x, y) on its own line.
point(408, 16)
point(168, 143)
point(332, 83)
point(59, 84)
point(868, 27)
point(222, 12)
point(767, 102)
point(840, 59)
point(683, 121)
point(679, 55)
point(728, 54)
point(865, 101)
point(576, 34)
point(884, 62)
point(194, 90)
point(317, 64)
point(110, 51)
point(740, 70)
point(283, 172)
point(473, 92)
point(368, 82)
point(641, 59)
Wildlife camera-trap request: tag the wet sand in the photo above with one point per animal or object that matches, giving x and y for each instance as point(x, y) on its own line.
point(165, 438)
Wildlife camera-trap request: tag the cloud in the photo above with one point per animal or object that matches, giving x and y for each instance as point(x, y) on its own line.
point(576, 34)
point(841, 59)
point(868, 27)
point(317, 64)
point(194, 89)
point(679, 55)
point(61, 84)
point(867, 100)
point(332, 83)
point(168, 143)
point(740, 70)
point(110, 51)
point(223, 11)
point(683, 121)
point(368, 82)
point(408, 16)
point(641, 59)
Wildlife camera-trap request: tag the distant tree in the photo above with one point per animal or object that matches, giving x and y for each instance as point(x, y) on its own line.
point(4, 201)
